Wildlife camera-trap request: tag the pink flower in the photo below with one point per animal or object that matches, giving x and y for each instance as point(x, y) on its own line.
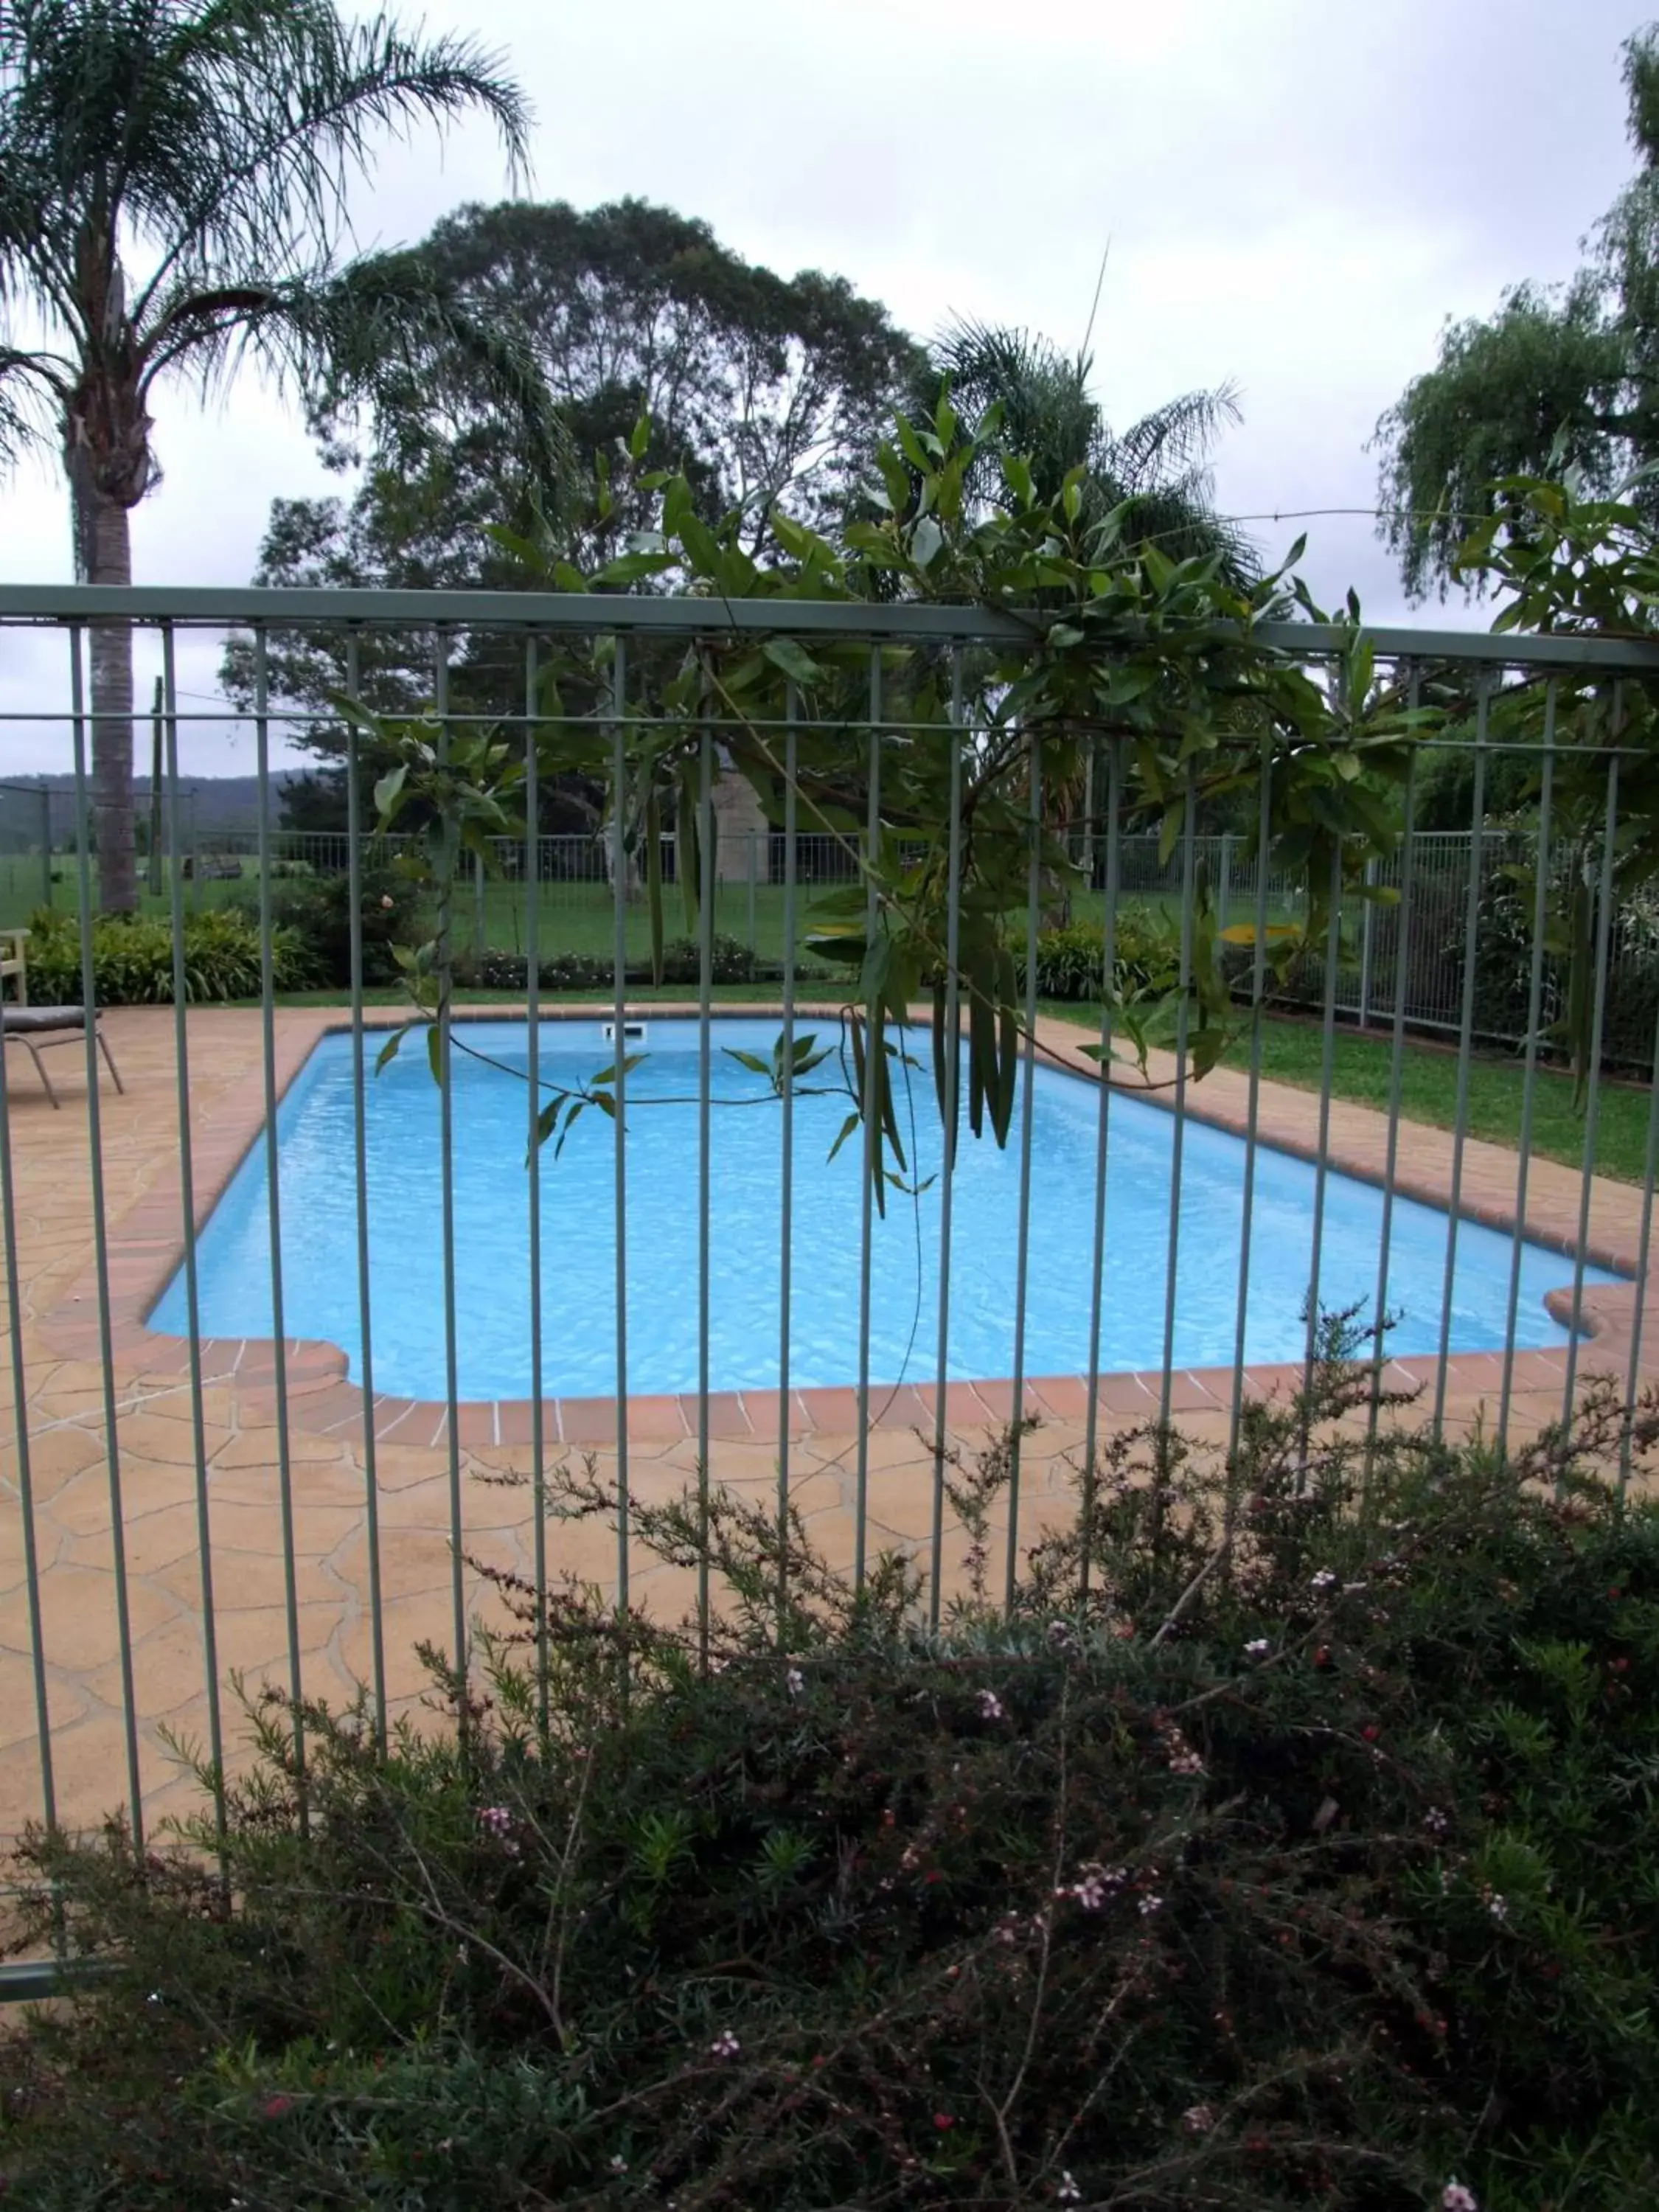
point(990, 1705)
point(1198, 2119)
point(944, 2123)
point(274, 2107)
point(1454, 2197)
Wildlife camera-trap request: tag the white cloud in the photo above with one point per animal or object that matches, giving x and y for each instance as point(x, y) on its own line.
point(1297, 196)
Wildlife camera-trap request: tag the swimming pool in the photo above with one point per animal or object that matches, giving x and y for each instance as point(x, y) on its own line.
point(319, 1234)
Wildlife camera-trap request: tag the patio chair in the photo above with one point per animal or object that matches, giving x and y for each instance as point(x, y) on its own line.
point(37, 1029)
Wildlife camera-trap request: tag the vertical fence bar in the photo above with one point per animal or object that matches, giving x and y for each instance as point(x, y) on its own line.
point(871, 1133)
point(273, 1187)
point(167, 691)
point(705, 1079)
point(619, 999)
point(359, 1165)
point(101, 1242)
point(1593, 1103)
point(754, 869)
point(1530, 1080)
point(480, 917)
point(952, 1075)
point(1465, 1042)
point(788, 1194)
point(1643, 1248)
point(25, 1463)
point(1098, 1271)
point(1367, 935)
point(1253, 1107)
point(532, 977)
point(1326, 1076)
point(446, 1164)
point(1027, 1107)
point(1188, 894)
point(1396, 1072)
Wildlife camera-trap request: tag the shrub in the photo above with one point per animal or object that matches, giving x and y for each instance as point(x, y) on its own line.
point(733, 962)
point(317, 909)
point(132, 959)
point(1297, 1855)
point(1070, 961)
point(592, 971)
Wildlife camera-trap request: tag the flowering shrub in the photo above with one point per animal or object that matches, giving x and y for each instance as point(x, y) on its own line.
point(1286, 1844)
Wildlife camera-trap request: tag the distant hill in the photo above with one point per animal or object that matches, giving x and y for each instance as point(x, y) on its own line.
point(210, 806)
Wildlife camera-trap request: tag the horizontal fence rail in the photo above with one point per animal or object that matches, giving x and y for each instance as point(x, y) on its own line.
point(305, 1348)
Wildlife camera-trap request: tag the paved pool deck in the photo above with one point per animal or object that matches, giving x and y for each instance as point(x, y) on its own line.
point(155, 1457)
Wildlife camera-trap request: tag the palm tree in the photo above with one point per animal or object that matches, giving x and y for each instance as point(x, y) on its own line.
point(207, 145)
point(1158, 468)
point(1157, 473)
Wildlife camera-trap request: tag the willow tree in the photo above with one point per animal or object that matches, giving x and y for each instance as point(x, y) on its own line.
point(172, 182)
point(1560, 378)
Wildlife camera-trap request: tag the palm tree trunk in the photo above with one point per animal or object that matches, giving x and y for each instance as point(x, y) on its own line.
point(108, 540)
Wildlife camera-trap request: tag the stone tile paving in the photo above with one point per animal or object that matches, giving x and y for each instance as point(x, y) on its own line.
point(155, 1466)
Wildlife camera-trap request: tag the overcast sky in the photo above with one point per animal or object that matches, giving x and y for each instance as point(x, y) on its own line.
point(1296, 193)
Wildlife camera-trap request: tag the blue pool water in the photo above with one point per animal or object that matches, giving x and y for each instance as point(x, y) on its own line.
point(320, 1251)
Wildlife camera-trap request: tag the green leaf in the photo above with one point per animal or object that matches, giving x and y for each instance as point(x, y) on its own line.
point(576, 1106)
point(1017, 474)
point(786, 654)
point(752, 1060)
point(630, 568)
point(927, 540)
point(640, 439)
point(608, 1075)
point(435, 1052)
point(391, 1048)
point(852, 1123)
point(909, 445)
point(389, 790)
point(848, 946)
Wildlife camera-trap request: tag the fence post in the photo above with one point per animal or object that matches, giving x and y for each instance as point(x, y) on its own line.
point(155, 795)
point(1226, 883)
point(45, 846)
point(1366, 923)
point(479, 931)
point(754, 950)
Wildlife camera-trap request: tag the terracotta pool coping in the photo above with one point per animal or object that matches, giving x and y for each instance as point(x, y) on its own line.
point(145, 1248)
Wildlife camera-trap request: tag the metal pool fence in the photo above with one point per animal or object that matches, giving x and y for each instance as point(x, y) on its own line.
point(572, 909)
point(1425, 960)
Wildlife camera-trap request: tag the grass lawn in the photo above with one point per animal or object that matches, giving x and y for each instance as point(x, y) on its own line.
point(1293, 1052)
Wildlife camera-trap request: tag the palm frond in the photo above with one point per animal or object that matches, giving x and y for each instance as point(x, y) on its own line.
point(1172, 438)
point(223, 135)
point(32, 388)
